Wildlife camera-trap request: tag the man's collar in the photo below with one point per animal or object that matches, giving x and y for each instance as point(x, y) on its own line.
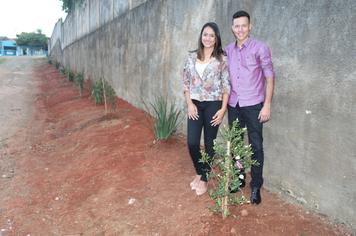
point(245, 44)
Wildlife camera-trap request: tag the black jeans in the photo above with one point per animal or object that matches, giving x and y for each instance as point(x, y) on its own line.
point(248, 117)
point(206, 110)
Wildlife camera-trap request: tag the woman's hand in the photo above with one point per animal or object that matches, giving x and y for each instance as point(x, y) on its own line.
point(192, 111)
point(218, 117)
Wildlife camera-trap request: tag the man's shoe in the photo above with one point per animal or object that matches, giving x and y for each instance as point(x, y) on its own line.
point(255, 196)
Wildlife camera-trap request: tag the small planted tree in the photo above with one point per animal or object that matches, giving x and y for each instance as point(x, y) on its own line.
point(102, 93)
point(57, 64)
point(232, 156)
point(79, 81)
point(70, 75)
point(166, 118)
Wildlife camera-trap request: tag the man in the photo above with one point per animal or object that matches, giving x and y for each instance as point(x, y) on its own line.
point(252, 83)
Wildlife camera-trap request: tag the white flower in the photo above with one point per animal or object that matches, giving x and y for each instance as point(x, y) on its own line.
point(241, 176)
point(238, 157)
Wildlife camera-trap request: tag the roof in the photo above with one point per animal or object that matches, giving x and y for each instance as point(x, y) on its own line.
point(8, 43)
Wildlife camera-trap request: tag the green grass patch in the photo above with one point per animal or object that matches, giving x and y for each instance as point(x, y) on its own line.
point(2, 60)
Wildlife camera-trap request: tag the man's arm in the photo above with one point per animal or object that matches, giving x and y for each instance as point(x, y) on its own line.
point(265, 113)
point(267, 68)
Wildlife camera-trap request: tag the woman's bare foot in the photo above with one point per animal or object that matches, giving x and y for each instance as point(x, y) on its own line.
point(195, 182)
point(201, 188)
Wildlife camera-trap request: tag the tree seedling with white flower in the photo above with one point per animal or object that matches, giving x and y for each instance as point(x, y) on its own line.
point(232, 156)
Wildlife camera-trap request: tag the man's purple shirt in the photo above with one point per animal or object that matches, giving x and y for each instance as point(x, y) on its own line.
point(248, 68)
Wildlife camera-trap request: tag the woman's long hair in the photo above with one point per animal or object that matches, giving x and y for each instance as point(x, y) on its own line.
point(218, 51)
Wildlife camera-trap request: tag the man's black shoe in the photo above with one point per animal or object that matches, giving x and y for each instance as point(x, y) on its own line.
point(255, 196)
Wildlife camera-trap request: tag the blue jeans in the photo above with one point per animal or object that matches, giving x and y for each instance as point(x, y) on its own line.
point(206, 110)
point(248, 117)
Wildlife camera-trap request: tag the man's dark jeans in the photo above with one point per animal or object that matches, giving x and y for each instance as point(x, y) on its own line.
point(248, 117)
point(206, 111)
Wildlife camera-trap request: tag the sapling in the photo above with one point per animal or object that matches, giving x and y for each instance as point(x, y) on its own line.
point(232, 156)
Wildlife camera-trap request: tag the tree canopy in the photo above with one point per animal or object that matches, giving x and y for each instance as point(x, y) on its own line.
point(35, 39)
point(67, 5)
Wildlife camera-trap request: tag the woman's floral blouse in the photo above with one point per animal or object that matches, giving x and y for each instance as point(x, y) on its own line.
point(214, 83)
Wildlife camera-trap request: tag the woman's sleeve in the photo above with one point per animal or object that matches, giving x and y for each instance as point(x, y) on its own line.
point(186, 76)
point(225, 78)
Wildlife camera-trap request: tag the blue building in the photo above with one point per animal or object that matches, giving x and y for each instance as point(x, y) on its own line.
point(8, 48)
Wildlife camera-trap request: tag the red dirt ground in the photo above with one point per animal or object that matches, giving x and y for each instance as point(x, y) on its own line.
point(77, 172)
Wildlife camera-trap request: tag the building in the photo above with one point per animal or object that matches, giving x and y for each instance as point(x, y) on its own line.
point(8, 48)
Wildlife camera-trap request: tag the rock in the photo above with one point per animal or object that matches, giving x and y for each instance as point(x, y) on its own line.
point(244, 212)
point(132, 201)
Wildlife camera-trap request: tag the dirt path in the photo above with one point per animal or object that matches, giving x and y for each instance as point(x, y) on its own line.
point(16, 92)
point(69, 170)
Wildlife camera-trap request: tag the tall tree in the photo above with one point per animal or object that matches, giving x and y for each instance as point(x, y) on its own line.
point(32, 39)
point(67, 5)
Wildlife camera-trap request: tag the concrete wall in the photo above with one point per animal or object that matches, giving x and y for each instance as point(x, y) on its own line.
point(139, 46)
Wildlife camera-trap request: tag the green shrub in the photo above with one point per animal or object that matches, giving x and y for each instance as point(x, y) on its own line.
point(166, 118)
point(63, 70)
point(100, 96)
point(70, 75)
point(79, 81)
point(110, 95)
point(96, 92)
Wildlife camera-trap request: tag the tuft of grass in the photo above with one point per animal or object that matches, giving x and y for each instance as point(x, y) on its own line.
point(57, 64)
point(166, 118)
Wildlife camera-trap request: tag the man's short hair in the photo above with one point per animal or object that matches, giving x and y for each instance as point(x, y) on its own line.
point(241, 14)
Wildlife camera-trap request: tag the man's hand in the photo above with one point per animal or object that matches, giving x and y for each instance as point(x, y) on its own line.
point(265, 114)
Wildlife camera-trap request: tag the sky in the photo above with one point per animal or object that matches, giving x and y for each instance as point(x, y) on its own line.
point(18, 16)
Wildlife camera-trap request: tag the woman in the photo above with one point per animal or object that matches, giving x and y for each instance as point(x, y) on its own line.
point(206, 90)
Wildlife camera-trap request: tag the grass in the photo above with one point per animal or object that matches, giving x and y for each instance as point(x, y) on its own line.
point(2, 60)
point(166, 118)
